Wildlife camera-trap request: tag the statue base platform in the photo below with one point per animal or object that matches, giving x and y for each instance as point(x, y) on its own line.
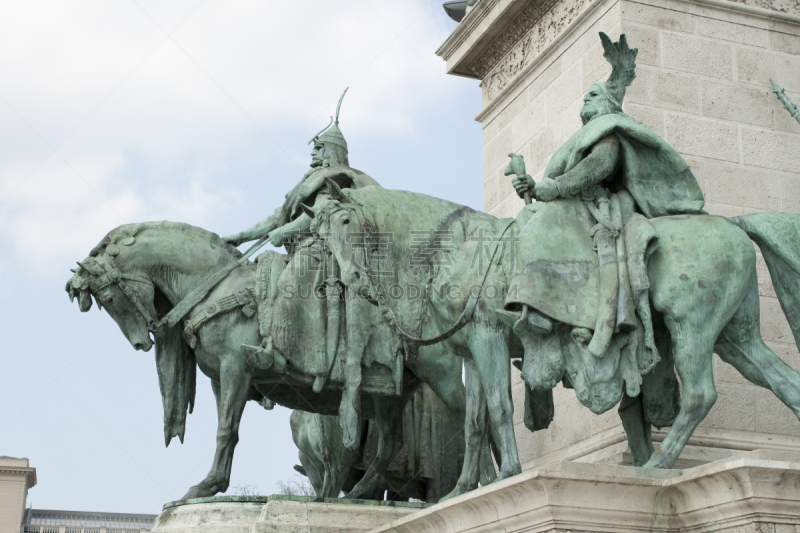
point(279, 514)
point(750, 492)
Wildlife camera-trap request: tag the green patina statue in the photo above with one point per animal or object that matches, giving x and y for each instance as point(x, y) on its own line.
point(610, 282)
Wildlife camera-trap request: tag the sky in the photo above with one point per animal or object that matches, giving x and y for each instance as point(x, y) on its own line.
point(197, 111)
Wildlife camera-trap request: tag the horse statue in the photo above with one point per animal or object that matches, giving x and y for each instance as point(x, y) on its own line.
point(142, 273)
point(426, 468)
point(703, 291)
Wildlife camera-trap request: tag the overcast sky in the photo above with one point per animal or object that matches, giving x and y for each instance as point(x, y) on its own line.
point(121, 111)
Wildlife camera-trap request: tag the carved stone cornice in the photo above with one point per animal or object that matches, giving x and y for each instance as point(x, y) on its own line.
point(28, 473)
point(790, 7)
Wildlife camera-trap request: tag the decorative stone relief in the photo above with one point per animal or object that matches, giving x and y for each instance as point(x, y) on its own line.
point(791, 7)
point(535, 28)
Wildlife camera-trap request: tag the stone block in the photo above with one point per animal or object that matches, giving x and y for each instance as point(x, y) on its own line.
point(667, 19)
point(782, 120)
point(702, 137)
point(675, 91)
point(791, 194)
point(646, 40)
point(641, 90)
point(697, 55)
point(538, 85)
point(724, 210)
point(571, 120)
point(532, 445)
point(737, 103)
point(774, 416)
point(489, 192)
point(529, 123)
point(784, 42)
point(735, 408)
point(608, 420)
point(766, 149)
point(765, 287)
point(563, 92)
point(738, 185)
point(649, 116)
point(757, 67)
point(516, 107)
point(542, 147)
point(594, 67)
point(578, 427)
point(729, 31)
point(774, 326)
point(495, 152)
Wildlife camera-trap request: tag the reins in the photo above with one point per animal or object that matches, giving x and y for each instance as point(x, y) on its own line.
point(390, 317)
point(195, 296)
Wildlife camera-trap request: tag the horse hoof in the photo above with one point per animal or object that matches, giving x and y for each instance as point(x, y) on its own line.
point(197, 491)
point(505, 475)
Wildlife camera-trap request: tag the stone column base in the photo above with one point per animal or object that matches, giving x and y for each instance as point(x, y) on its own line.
point(278, 514)
point(754, 491)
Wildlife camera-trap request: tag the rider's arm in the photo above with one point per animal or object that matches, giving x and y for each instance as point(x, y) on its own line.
point(301, 224)
point(594, 168)
point(256, 231)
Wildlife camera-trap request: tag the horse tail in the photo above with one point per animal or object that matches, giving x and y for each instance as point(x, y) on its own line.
point(778, 237)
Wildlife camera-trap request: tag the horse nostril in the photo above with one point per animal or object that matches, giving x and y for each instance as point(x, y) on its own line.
point(357, 276)
point(138, 346)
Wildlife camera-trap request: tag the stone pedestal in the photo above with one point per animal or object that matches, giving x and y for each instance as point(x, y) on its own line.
point(702, 84)
point(752, 492)
point(278, 514)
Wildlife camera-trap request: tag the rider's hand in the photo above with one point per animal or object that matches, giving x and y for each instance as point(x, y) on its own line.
point(277, 237)
point(236, 239)
point(546, 190)
point(522, 184)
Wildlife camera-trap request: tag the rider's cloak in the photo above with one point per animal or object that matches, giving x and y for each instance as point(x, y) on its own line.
point(655, 174)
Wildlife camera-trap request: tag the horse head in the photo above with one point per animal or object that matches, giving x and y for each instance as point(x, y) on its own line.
point(348, 235)
point(126, 294)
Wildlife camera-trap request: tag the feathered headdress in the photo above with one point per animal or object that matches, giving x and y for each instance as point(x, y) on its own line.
point(623, 67)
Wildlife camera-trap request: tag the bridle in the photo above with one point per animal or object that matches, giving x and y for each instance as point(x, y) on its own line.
point(113, 276)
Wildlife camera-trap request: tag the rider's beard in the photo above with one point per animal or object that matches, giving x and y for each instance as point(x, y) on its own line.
point(588, 112)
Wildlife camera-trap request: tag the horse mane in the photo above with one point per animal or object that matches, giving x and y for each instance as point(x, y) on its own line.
point(130, 230)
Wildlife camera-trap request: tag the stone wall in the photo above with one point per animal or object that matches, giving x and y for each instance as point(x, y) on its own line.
point(703, 85)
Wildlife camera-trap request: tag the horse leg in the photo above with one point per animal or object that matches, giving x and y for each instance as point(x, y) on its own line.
point(637, 429)
point(693, 348)
point(231, 395)
point(475, 424)
point(492, 359)
point(389, 424)
point(740, 344)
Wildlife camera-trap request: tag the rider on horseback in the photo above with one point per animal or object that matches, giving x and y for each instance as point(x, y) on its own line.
point(300, 325)
point(598, 192)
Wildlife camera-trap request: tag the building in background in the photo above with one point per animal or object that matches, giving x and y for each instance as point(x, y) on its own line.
point(54, 521)
point(16, 478)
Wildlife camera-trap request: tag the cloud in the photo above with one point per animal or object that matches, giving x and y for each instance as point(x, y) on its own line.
point(150, 126)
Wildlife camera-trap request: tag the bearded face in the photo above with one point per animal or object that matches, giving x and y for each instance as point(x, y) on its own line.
point(596, 103)
point(328, 155)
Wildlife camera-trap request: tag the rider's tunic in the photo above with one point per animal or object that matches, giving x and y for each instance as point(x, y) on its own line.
point(566, 246)
point(299, 321)
point(555, 246)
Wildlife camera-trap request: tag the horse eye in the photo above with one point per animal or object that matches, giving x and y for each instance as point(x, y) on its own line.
point(346, 221)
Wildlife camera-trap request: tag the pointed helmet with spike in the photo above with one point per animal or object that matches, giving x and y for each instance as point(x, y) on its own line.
point(331, 134)
point(623, 67)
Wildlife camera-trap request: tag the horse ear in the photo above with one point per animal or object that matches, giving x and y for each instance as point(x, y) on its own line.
point(307, 210)
point(334, 190)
